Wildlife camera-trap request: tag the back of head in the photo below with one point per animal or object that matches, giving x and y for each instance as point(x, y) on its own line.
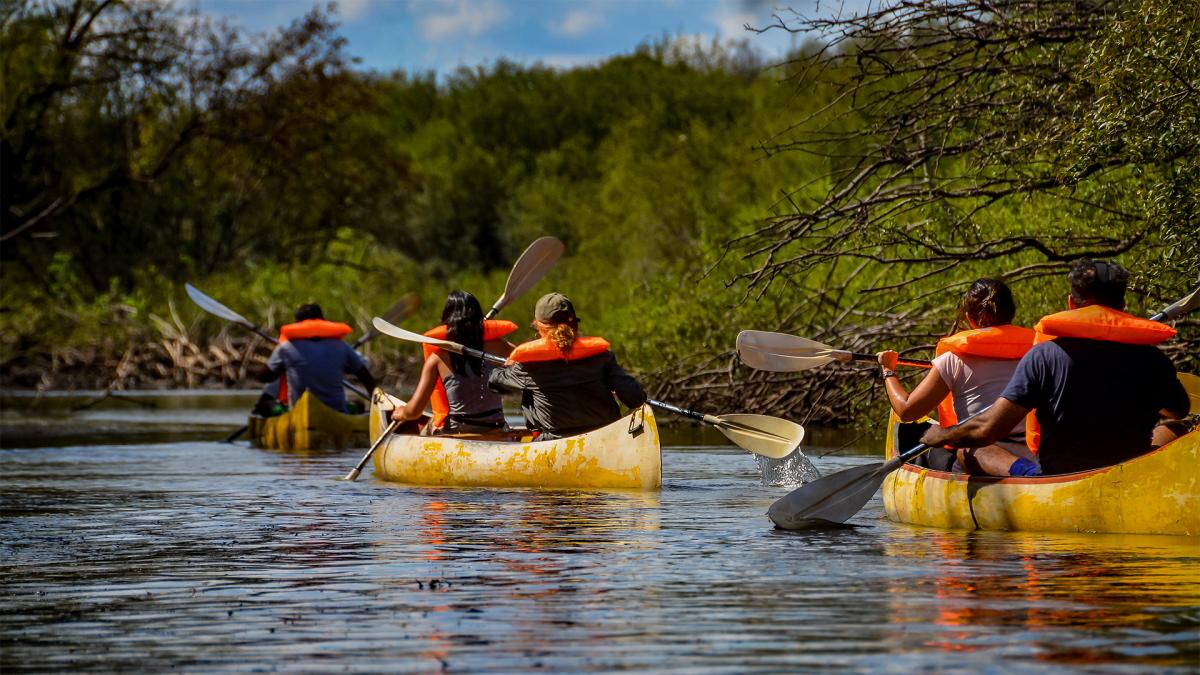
point(554, 317)
point(1098, 282)
point(311, 311)
point(463, 317)
point(987, 303)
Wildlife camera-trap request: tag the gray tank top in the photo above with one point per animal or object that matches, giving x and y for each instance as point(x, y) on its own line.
point(470, 399)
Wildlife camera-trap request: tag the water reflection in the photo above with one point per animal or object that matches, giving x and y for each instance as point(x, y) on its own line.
point(1081, 599)
point(206, 556)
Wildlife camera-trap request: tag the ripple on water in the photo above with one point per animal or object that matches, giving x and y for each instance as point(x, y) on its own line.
point(208, 556)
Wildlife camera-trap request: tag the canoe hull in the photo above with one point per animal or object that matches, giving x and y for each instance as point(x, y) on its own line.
point(624, 454)
point(1157, 493)
point(309, 425)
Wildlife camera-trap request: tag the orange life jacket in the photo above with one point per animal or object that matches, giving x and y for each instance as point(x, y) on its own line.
point(995, 342)
point(492, 330)
point(308, 330)
point(1095, 322)
point(545, 350)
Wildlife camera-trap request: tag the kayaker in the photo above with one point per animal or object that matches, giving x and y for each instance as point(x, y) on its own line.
point(1095, 379)
point(970, 370)
point(312, 356)
point(471, 407)
point(567, 381)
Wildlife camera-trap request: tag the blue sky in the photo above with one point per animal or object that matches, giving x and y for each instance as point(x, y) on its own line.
point(440, 35)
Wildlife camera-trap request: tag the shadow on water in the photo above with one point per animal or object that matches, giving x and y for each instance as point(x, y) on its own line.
point(123, 555)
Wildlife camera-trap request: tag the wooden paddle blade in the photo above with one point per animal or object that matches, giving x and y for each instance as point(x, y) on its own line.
point(213, 307)
point(834, 498)
point(391, 330)
point(1191, 384)
point(762, 434)
point(782, 353)
point(400, 310)
point(529, 269)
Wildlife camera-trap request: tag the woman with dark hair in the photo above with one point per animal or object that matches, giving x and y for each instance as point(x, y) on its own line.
point(471, 406)
point(971, 369)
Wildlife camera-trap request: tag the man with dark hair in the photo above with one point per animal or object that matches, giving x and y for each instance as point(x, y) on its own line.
point(1095, 379)
point(311, 356)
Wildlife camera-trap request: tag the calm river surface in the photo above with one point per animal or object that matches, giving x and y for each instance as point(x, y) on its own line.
point(130, 539)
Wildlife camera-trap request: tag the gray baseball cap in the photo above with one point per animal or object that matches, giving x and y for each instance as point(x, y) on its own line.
point(552, 308)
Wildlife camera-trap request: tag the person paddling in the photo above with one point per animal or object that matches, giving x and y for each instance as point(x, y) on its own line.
point(311, 356)
point(457, 385)
point(567, 381)
point(970, 370)
point(1095, 379)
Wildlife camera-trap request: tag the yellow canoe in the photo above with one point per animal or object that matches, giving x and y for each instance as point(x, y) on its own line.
point(1157, 493)
point(309, 425)
point(624, 454)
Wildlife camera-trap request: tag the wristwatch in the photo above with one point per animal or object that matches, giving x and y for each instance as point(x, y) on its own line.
point(887, 373)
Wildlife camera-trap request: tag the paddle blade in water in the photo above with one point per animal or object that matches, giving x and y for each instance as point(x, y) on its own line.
point(762, 434)
point(213, 307)
point(782, 353)
point(834, 498)
point(529, 269)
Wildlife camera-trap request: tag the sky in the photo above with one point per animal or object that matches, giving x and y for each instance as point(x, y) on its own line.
point(441, 35)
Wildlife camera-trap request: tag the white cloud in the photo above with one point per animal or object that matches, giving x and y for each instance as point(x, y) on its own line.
point(463, 18)
point(569, 61)
point(577, 23)
point(353, 10)
point(731, 20)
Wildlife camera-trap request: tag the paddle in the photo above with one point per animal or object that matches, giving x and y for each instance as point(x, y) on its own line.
point(217, 309)
point(760, 434)
point(528, 270)
point(402, 309)
point(370, 451)
point(835, 498)
point(783, 353)
point(1187, 303)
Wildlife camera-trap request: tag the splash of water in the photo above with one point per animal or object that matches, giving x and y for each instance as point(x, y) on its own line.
point(794, 470)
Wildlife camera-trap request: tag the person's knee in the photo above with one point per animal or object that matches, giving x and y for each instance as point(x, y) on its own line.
point(1167, 431)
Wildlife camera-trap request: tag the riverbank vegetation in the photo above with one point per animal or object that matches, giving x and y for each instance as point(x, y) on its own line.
point(846, 195)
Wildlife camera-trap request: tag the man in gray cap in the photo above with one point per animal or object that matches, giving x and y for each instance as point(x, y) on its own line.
point(567, 380)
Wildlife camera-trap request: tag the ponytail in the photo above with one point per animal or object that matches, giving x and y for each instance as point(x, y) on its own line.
point(561, 335)
point(987, 303)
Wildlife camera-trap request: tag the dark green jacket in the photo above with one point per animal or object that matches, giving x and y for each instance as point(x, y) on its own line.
point(562, 398)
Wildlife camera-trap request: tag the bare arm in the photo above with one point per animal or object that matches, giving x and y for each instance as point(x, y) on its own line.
point(990, 426)
point(928, 394)
point(420, 397)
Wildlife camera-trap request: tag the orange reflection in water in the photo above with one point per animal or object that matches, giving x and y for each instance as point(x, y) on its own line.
point(1029, 581)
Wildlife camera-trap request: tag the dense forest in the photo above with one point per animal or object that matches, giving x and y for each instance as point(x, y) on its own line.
point(847, 194)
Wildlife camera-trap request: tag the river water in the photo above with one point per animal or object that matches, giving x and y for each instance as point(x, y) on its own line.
point(130, 539)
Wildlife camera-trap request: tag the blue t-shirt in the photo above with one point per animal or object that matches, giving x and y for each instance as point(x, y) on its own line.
point(1097, 401)
point(317, 366)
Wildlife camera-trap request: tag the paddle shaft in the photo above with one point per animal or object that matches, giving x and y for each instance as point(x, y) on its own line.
point(841, 355)
point(698, 416)
point(371, 451)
